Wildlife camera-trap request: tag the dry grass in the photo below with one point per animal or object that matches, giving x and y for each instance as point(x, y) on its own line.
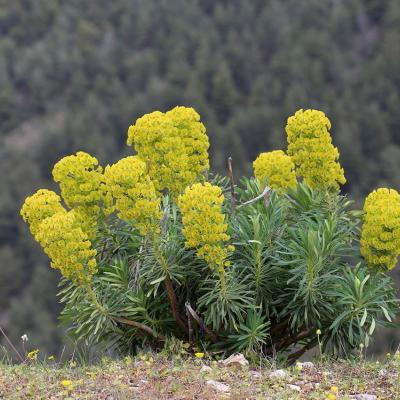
point(159, 377)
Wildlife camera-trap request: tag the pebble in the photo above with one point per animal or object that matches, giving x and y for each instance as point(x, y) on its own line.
point(294, 387)
point(205, 368)
point(278, 374)
point(235, 360)
point(364, 397)
point(218, 386)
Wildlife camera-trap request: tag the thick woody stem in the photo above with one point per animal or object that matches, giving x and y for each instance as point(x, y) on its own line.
point(297, 354)
point(174, 304)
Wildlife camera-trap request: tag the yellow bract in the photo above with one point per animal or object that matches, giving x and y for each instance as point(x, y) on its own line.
point(134, 194)
point(276, 169)
point(41, 205)
point(310, 146)
point(68, 247)
point(174, 145)
point(380, 236)
point(204, 223)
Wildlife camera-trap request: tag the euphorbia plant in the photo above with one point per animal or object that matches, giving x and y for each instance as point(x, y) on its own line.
point(154, 246)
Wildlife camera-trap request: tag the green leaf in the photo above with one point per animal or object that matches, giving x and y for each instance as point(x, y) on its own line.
point(364, 318)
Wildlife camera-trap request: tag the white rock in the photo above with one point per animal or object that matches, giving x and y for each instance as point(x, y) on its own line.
point(382, 372)
point(205, 368)
point(278, 374)
point(218, 386)
point(235, 360)
point(364, 396)
point(255, 374)
point(294, 387)
point(306, 365)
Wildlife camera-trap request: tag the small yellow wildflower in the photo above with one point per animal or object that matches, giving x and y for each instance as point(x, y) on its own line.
point(32, 355)
point(318, 332)
point(50, 358)
point(66, 383)
point(298, 367)
point(199, 355)
point(334, 389)
point(331, 396)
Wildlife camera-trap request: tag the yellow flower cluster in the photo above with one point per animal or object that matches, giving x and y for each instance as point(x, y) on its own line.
point(134, 194)
point(380, 236)
point(204, 223)
point(82, 187)
point(175, 146)
point(68, 247)
point(41, 205)
point(310, 146)
point(276, 169)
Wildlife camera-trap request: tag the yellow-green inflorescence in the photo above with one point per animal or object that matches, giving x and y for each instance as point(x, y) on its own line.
point(134, 194)
point(380, 236)
point(41, 205)
point(174, 145)
point(60, 235)
point(82, 187)
point(68, 247)
point(275, 169)
point(310, 146)
point(204, 223)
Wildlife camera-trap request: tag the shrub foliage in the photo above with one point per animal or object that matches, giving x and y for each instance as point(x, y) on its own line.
point(154, 246)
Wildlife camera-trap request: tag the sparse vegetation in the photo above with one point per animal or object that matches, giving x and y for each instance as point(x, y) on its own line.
point(150, 376)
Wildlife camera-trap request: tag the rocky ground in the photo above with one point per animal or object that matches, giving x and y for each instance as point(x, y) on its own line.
point(150, 376)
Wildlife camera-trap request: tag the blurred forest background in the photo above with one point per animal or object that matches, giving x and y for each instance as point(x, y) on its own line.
point(74, 74)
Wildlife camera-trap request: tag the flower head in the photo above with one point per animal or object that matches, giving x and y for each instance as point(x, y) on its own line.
point(204, 223)
point(175, 146)
point(41, 205)
point(68, 247)
point(276, 169)
point(134, 194)
point(310, 146)
point(32, 355)
point(199, 355)
point(380, 235)
point(66, 383)
point(82, 187)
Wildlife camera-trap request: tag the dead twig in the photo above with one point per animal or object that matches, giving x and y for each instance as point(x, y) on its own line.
point(203, 326)
point(140, 326)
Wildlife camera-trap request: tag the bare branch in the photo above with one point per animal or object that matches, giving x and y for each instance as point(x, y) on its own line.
point(203, 326)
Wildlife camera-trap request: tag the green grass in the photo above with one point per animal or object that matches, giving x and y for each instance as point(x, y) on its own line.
point(151, 376)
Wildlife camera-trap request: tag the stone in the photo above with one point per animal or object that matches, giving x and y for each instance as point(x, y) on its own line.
point(218, 386)
point(294, 387)
point(235, 360)
point(205, 368)
point(255, 374)
point(306, 365)
point(278, 374)
point(382, 372)
point(364, 396)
